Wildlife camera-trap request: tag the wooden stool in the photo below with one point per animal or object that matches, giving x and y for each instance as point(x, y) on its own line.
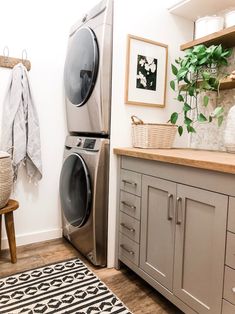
point(9, 222)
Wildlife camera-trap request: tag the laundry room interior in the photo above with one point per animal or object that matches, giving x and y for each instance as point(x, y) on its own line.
point(117, 172)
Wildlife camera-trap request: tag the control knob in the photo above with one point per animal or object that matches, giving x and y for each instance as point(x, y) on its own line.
point(78, 142)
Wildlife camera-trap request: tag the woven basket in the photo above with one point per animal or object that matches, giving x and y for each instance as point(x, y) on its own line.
point(6, 178)
point(149, 135)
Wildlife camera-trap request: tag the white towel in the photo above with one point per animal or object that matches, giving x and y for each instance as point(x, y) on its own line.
point(20, 125)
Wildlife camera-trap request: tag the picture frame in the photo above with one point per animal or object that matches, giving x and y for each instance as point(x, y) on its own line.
point(146, 72)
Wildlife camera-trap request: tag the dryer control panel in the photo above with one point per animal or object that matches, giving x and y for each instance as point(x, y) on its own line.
point(83, 143)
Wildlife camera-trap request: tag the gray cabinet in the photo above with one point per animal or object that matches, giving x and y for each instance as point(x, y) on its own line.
point(172, 232)
point(158, 229)
point(199, 248)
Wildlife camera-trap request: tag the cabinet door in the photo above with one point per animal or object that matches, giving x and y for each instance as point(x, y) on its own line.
point(200, 248)
point(157, 229)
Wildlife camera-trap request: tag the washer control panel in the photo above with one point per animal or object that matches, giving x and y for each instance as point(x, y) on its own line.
point(89, 143)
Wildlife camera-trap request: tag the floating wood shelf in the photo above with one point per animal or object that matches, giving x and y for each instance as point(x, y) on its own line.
point(226, 83)
point(226, 37)
point(193, 9)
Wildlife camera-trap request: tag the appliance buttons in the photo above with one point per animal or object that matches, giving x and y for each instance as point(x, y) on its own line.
point(78, 142)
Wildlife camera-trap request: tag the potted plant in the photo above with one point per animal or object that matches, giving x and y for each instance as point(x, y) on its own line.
point(200, 70)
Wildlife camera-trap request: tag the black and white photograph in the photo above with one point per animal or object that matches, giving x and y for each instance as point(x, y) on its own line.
point(146, 66)
point(146, 72)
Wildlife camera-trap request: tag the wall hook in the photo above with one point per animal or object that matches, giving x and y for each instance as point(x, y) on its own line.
point(24, 56)
point(6, 54)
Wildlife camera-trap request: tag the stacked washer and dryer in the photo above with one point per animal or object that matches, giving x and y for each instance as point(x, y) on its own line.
point(85, 170)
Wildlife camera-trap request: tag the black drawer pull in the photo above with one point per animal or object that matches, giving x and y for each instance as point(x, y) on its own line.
point(129, 182)
point(125, 249)
point(126, 227)
point(128, 205)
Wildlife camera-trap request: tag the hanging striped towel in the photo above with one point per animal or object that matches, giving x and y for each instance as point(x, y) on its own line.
point(20, 125)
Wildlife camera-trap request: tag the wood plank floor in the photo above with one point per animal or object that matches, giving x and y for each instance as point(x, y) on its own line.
point(138, 296)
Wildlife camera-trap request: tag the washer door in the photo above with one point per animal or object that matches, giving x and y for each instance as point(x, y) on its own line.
point(75, 190)
point(81, 66)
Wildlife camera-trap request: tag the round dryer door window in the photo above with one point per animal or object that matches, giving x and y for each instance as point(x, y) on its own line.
point(81, 66)
point(75, 190)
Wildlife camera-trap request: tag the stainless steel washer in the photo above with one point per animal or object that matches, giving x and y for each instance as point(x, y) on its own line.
point(87, 72)
point(84, 196)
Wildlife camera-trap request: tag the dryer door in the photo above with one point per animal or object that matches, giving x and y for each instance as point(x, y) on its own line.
point(81, 66)
point(75, 190)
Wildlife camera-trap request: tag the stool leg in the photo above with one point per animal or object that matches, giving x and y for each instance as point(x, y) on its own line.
point(9, 221)
point(0, 232)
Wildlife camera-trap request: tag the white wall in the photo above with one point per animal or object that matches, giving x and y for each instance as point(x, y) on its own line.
point(42, 28)
point(148, 19)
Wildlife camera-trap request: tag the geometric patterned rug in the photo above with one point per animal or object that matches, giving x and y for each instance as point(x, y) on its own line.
point(65, 287)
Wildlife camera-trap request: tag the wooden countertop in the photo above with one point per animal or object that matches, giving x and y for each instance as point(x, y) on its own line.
point(210, 160)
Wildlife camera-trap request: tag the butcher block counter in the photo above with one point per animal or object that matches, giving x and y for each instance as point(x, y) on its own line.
point(176, 224)
point(210, 160)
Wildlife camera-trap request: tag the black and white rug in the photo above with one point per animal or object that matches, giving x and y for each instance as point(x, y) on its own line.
point(66, 287)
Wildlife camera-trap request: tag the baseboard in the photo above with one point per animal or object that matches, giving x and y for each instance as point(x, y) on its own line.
point(34, 237)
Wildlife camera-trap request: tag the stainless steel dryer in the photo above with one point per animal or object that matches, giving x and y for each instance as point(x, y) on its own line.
point(84, 196)
point(87, 72)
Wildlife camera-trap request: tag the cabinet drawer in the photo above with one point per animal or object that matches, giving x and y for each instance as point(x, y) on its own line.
point(231, 214)
point(130, 227)
point(130, 204)
point(228, 308)
point(131, 182)
point(230, 250)
point(129, 249)
point(229, 285)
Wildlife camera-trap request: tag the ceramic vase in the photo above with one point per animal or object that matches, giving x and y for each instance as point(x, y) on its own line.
point(229, 132)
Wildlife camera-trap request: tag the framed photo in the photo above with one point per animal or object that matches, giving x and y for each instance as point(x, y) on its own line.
point(146, 72)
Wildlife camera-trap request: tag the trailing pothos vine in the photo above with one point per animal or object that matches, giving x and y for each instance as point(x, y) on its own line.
point(198, 71)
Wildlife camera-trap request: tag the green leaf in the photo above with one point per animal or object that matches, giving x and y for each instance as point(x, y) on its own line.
point(180, 130)
point(190, 129)
point(205, 100)
point(186, 80)
point(182, 72)
point(180, 98)
point(199, 49)
point(220, 120)
point(218, 51)
point(201, 118)
point(187, 121)
point(218, 111)
point(172, 84)
point(227, 53)
point(205, 85)
point(206, 75)
point(203, 60)
point(186, 107)
point(191, 90)
point(174, 69)
point(174, 117)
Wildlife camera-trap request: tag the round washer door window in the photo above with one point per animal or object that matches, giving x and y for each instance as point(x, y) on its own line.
point(75, 190)
point(81, 66)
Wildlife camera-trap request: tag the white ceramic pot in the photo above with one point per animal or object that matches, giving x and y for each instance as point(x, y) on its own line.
point(208, 25)
point(6, 178)
point(229, 133)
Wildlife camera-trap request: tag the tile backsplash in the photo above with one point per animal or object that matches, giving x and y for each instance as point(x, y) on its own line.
point(209, 136)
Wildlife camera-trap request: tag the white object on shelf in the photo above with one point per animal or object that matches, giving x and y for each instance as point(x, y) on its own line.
point(230, 19)
point(229, 133)
point(207, 25)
